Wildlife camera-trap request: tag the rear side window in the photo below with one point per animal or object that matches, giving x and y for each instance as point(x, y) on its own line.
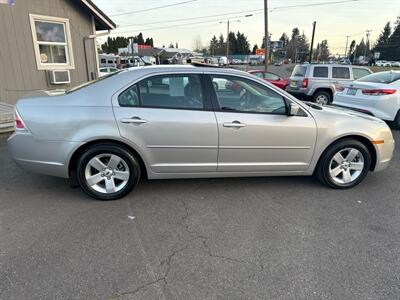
point(359, 73)
point(172, 91)
point(271, 76)
point(382, 77)
point(340, 72)
point(320, 72)
point(299, 71)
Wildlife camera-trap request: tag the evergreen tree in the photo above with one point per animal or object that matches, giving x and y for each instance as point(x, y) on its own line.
point(393, 46)
point(255, 48)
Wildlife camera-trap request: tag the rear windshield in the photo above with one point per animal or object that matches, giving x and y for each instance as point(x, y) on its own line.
point(91, 82)
point(382, 77)
point(299, 71)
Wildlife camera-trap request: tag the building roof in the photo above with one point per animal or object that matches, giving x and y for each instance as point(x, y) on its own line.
point(103, 22)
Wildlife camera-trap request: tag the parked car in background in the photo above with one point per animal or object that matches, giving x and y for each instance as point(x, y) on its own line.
point(165, 122)
point(223, 61)
point(395, 64)
point(107, 70)
point(278, 63)
point(383, 63)
point(377, 94)
point(237, 61)
point(317, 82)
point(280, 82)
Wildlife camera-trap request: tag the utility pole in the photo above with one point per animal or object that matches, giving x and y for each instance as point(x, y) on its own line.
point(347, 43)
point(227, 46)
point(266, 33)
point(367, 43)
point(312, 42)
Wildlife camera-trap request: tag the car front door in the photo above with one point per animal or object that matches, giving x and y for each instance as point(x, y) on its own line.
point(255, 132)
point(170, 119)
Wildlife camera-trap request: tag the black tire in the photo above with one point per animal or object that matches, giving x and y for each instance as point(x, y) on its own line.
point(131, 161)
point(395, 124)
point(323, 94)
point(322, 171)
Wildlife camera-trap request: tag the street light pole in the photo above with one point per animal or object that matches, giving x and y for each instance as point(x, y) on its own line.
point(347, 43)
point(266, 33)
point(227, 45)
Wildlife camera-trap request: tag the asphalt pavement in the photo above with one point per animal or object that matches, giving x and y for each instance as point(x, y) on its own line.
point(243, 238)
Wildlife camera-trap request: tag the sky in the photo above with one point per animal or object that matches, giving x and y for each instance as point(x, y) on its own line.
point(334, 21)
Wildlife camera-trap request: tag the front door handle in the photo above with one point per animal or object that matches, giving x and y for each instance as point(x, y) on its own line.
point(133, 120)
point(234, 124)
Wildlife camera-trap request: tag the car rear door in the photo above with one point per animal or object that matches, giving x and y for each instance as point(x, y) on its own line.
point(170, 119)
point(341, 75)
point(255, 132)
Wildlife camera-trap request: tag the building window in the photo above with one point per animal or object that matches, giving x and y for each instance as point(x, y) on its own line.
point(52, 42)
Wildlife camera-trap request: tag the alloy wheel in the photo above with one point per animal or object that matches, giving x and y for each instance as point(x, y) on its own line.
point(321, 100)
point(346, 166)
point(107, 173)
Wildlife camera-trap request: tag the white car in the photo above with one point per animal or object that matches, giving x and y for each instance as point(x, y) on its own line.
point(377, 94)
point(383, 63)
point(106, 70)
point(395, 63)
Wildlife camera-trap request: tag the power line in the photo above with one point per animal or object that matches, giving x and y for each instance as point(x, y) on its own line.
point(312, 4)
point(152, 8)
point(232, 14)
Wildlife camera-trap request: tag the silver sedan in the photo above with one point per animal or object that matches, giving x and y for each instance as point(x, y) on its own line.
point(188, 122)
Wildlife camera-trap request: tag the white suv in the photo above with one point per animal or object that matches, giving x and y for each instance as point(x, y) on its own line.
point(317, 82)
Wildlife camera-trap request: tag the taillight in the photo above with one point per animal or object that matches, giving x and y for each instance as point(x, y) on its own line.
point(305, 83)
point(339, 88)
point(379, 92)
point(19, 124)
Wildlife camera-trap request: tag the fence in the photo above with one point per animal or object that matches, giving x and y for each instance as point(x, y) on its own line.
point(6, 117)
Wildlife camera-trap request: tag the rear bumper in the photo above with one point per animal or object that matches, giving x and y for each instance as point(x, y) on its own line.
point(41, 156)
point(298, 93)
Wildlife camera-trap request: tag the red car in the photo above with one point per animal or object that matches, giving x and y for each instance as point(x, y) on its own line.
point(280, 82)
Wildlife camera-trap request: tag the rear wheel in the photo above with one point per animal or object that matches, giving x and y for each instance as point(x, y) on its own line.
point(107, 172)
point(322, 98)
point(396, 123)
point(344, 165)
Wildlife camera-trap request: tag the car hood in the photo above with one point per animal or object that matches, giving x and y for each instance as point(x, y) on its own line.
point(341, 112)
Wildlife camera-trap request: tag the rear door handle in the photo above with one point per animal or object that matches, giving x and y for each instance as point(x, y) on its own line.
point(234, 124)
point(133, 120)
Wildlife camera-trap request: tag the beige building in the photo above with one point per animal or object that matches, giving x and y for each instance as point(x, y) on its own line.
point(48, 44)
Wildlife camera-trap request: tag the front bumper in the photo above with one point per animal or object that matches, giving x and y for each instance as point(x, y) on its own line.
point(41, 156)
point(384, 154)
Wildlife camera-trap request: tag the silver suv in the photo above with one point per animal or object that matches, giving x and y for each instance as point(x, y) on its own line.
point(317, 82)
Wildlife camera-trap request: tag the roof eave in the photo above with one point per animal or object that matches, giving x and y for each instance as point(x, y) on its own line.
point(100, 16)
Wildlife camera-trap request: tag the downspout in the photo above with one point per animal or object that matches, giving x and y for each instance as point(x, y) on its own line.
point(92, 36)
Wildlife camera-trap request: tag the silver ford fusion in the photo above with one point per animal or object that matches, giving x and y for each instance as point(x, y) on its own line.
point(188, 122)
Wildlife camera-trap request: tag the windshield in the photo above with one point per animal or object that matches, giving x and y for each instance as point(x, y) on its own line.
point(299, 71)
point(91, 82)
point(382, 77)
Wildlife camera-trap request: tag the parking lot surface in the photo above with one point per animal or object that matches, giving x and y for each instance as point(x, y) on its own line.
point(244, 238)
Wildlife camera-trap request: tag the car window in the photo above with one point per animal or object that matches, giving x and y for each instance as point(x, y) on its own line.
point(340, 72)
point(172, 91)
point(129, 97)
point(382, 77)
point(271, 76)
point(103, 70)
point(243, 95)
point(320, 72)
point(359, 73)
point(259, 74)
point(299, 71)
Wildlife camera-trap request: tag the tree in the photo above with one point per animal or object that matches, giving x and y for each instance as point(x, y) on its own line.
point(112, 44)
point(383, 41)
point(242, 45)
point(255, 48)
point(393, 45)
point(284, 39)
point(171, 45)
point(197, 44)
point(176, 45)
point(324, 51)
point(149, 42)
point(213, 46)
point(221, 49)
point(232, 43)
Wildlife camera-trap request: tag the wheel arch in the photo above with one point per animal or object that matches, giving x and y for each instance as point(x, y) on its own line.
point(75, 156)
point(324, 89)
point(365, 141)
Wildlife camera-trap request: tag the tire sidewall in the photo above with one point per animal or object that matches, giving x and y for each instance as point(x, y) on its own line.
point(131, 161)
point(326, 94)
point(335, 148)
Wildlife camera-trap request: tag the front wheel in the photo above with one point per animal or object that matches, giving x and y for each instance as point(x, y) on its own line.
point(107, 172)
point(344, 164)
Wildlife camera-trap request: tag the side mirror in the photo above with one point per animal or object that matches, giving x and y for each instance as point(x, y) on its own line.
point(293, 109)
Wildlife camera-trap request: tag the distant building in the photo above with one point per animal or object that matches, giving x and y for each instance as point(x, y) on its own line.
point(48, 44)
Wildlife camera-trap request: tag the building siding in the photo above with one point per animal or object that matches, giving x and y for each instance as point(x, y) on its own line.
point(18, 70)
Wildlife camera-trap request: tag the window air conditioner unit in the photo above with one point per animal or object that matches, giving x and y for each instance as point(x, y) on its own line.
point(59, 76)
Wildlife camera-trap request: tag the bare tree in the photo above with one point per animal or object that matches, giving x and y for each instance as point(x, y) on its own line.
point(197, 44)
